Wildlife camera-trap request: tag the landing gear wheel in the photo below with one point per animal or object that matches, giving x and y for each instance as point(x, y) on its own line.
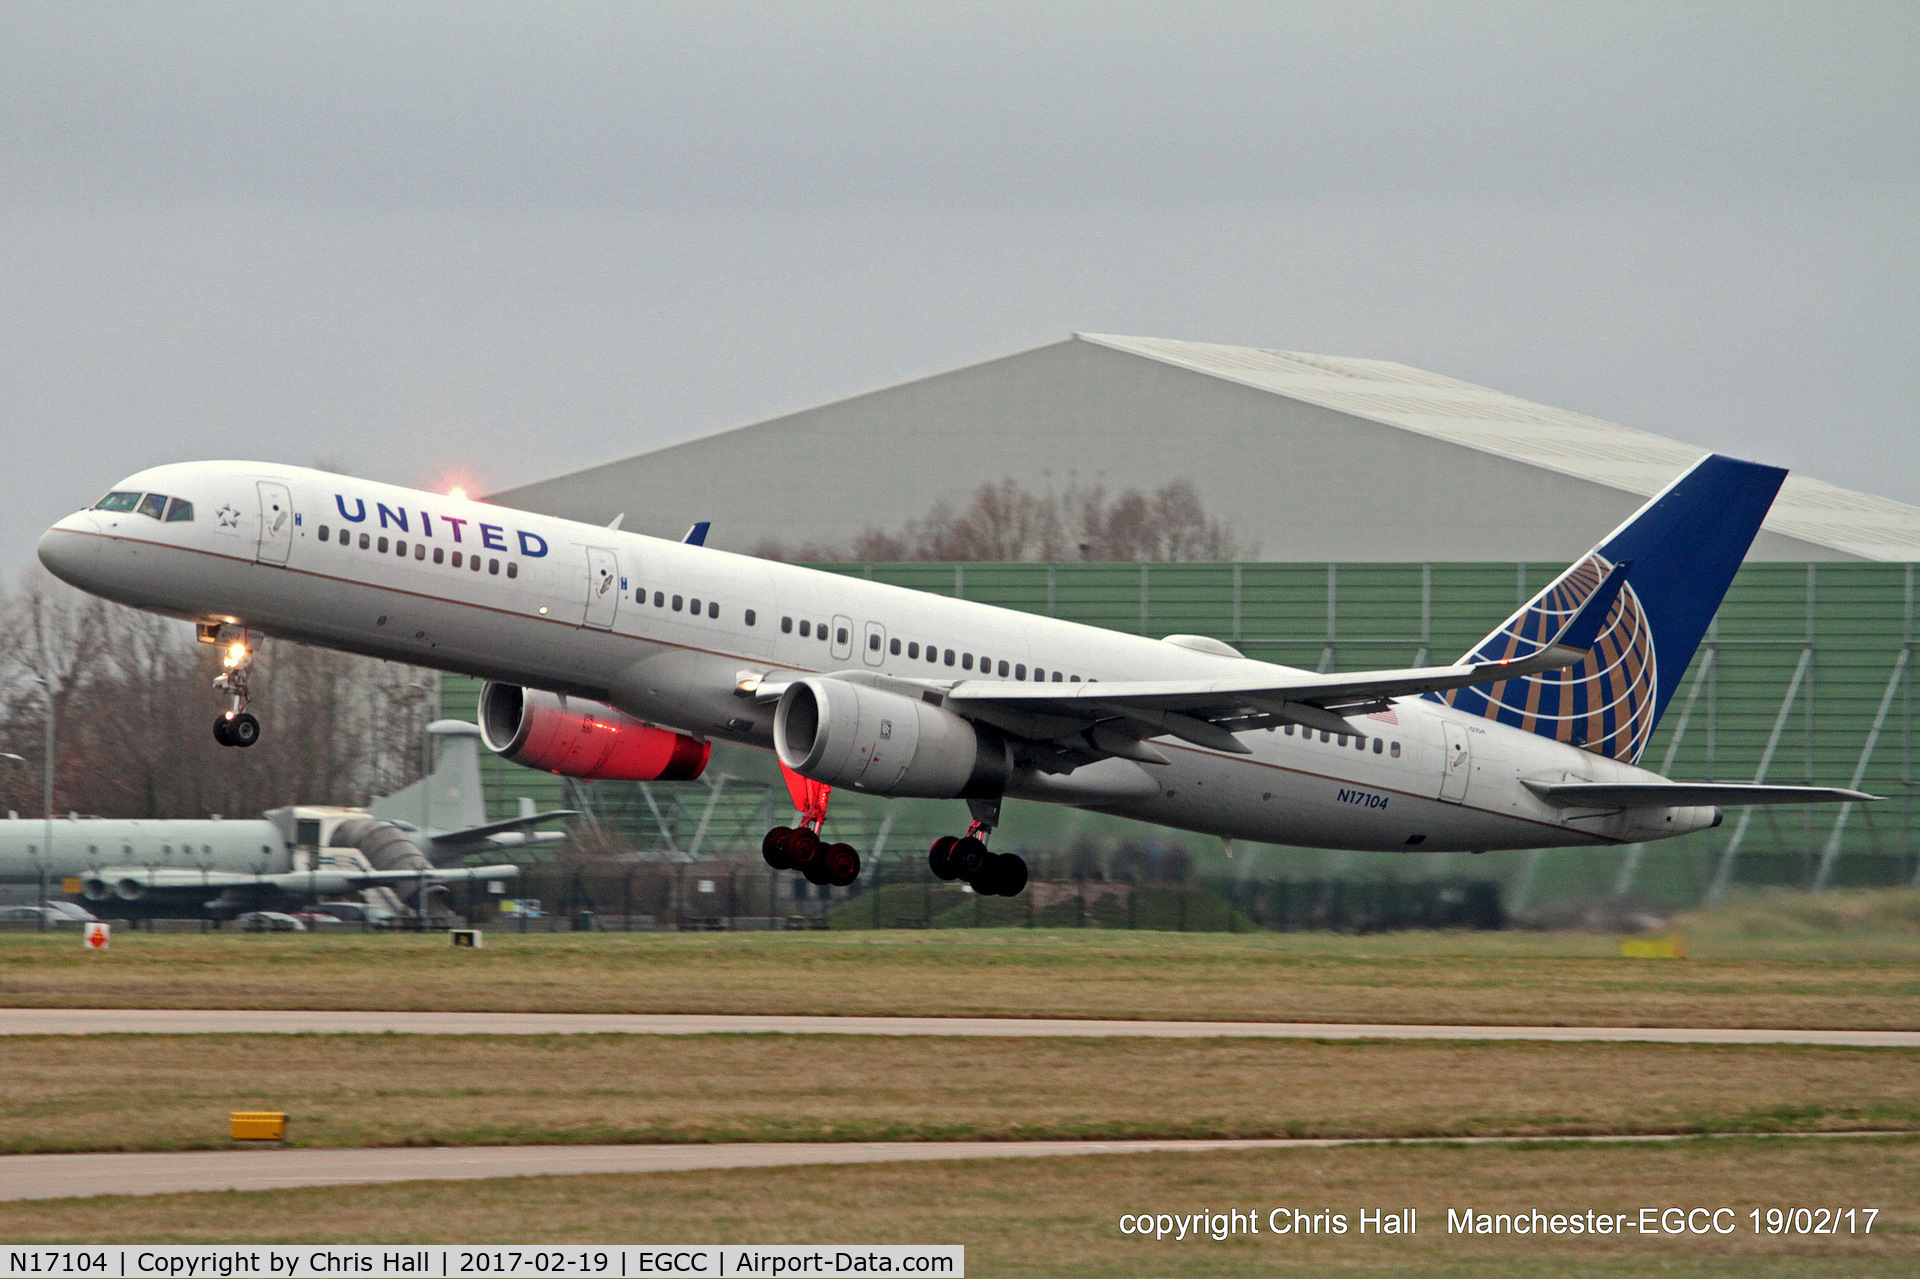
point(243, 729)
point(1007, 875)
point(774, 848)
point(803, 850)
point(841, 863)
point(940, 858)
point(222, 731)
point(969, 859)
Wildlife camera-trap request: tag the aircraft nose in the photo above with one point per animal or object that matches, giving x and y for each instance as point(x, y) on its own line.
point(71, 549)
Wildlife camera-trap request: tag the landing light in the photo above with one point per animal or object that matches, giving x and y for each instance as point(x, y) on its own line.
point(457, 491)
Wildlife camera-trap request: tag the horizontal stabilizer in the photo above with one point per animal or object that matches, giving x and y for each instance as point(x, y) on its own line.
point(475, 838)
point(1687, 794)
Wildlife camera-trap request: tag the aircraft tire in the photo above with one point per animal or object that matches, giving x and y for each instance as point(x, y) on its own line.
point(220, 733)
point(774, 848)
point(940, 858)
point(244, 730)
point(1009, 874)
point(803, 849)
point(969, 859)
point(842, 865)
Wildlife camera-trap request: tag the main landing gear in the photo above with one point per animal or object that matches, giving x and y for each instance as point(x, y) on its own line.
point(236, 727)
point(800, 847)
point(968, 858)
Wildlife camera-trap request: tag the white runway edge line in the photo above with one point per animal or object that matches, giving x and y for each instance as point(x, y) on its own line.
point(72, 1176)
point(206, 1021)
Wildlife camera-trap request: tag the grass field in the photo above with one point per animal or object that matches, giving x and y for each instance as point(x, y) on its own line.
point(1859, 980)
point(1060, 1217)
point(142, 1092)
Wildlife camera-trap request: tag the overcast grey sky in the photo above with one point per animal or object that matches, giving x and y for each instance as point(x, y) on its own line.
point(499, 241)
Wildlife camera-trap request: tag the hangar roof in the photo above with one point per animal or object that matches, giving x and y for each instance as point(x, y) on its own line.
point(1432, 404)
point(1310, 457)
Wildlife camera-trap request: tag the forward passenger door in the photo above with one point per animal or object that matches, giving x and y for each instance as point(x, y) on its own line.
point(603, 588)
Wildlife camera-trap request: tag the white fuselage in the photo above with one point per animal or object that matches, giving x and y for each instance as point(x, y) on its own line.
point(534, 612)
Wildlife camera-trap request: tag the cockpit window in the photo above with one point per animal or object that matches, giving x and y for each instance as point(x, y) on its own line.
point(179, 511)
point(117, 502)
point(154, 504)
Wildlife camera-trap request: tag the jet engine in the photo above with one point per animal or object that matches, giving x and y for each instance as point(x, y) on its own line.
point(578, 738)
point(885, 742)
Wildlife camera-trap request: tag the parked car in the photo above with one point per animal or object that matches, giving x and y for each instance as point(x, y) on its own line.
point(51, 913)
point(268, 921)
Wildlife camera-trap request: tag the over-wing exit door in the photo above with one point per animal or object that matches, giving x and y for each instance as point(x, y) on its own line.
point(603, 588)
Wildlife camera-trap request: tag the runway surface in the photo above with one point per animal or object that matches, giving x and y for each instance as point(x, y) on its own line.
point(196, 1021)
point(71, 1176)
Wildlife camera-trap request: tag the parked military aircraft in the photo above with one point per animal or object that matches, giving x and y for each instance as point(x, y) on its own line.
point(392, 849)
point(616, 655)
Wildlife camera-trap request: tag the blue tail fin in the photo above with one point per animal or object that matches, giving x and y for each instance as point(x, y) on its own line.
point(1685, 545)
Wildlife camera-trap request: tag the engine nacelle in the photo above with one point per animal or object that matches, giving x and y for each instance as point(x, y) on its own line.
point(886, 743)
point(578, 738)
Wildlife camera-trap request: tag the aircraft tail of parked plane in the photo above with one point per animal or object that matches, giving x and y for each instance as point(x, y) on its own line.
point(1680, 552)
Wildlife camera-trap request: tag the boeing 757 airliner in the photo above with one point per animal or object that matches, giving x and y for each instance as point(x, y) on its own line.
point(619, 656)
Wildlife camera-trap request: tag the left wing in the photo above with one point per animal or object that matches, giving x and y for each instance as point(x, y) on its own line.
point(1208, 712)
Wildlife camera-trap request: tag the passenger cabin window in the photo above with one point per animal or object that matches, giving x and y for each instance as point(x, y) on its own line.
point(419, 550)
point(1056, 677)
point(493, 567)
point(513, 569)
point(179, 511)
point(694, 607)
point(381, 546)
point(1378, 746)
point(439, 555)
point(749, 617)
point(913, 649)
point(400, 549)
point(1003, 670)
point(456, 556)
point(806, 629)
point(1039, 674)
point(966, 661)
point(840, 635)
point(873, 642)
point(659, 599)
point(1074, 680)
point(1394, 750)
point(786, 624)
point(933, 652)
point(947, 657)
point(117, 502)
point(1020, 671)
point(820, 629)
point(893, 646)
point(323, 532)
point(713, 611)
point(473, 562)
point(153, 504)
point(679, 601)
point(366, 541)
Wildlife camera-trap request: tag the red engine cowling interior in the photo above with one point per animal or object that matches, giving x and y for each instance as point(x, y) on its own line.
point(577, 738)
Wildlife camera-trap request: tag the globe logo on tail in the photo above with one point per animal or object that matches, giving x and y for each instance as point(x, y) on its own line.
point(1606, 702)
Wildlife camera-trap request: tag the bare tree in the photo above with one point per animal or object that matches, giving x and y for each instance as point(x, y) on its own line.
point(135, 707)
point(1005, 522)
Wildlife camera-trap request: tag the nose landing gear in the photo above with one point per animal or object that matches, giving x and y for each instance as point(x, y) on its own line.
point(236, 727)
point(968, 858)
